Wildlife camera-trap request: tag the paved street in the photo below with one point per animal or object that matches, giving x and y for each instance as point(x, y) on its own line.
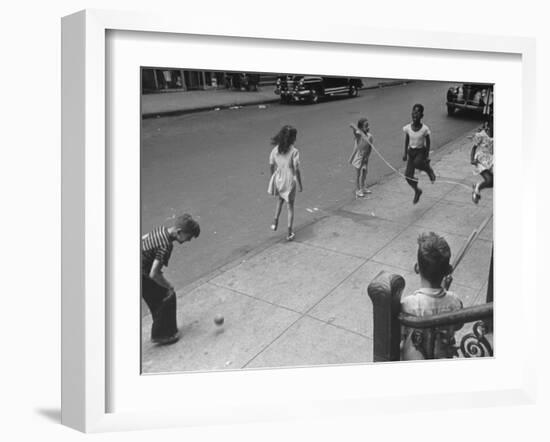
point(301, 303)
point(214, 165)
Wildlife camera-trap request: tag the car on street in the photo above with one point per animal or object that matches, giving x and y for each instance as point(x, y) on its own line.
point(311, 88)
point(473, 97)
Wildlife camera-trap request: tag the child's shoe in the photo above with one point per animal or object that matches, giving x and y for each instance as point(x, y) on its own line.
point(476, 195)
point(366, 191)
point(167, 340)
point(290, 236)
point(431, 174)
point(359, 193)
point(274, 225)
point(417, 194)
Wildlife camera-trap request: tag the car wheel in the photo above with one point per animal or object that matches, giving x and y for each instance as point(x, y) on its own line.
point(353, 91)
point(314, 97)
point(450, 110)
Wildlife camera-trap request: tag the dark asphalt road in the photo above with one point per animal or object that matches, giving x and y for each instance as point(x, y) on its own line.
point(214, 166)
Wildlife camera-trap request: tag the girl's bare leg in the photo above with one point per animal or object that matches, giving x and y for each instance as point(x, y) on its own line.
point(364, 180)
point(277, 213)
point(290, 215)
point(487, 182)
point(358, 180)
point(290, 207)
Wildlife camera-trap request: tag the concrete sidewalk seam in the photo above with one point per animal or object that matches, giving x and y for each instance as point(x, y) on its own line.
point(306, 314)
point(256, 298)
point(272, 342)
point(338, 326)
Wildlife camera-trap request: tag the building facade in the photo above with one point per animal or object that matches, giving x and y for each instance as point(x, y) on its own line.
point(154, 80)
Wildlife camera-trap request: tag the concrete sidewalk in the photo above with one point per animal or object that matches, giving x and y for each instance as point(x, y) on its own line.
point(178, 103)
point(305, 302)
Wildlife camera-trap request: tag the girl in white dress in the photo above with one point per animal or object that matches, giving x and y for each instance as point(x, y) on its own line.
point(284, 165)
point(481, 158)
point(359, 158)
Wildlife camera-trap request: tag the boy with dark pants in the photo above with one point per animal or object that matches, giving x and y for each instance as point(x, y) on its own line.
point(417, 150)
point(158, 293)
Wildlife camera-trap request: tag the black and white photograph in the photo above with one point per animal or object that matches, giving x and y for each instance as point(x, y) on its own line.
point(243, 221)
point(301, 220)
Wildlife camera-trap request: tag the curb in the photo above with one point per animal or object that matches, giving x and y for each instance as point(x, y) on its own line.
point(177, 112)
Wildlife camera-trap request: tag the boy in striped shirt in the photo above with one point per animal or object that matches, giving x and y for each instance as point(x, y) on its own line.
point(158, 293)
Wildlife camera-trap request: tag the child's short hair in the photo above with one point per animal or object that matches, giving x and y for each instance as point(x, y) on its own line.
point(188, 225)
point(434, 255)
point(419, 107)
point(361, 122)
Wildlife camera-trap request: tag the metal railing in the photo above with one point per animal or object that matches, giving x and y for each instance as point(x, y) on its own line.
point(428, 338)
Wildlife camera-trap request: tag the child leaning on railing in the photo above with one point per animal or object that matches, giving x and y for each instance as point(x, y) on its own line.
point(433, 266)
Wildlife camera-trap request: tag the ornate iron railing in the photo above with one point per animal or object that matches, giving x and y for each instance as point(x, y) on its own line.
point(475, 344)
point(428, 336)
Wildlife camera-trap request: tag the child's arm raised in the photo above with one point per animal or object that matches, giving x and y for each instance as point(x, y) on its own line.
point(356, 135)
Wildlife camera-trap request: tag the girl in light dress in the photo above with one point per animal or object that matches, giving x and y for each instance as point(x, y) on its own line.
point(284, 165)
point(481, 158)
point(359, 158)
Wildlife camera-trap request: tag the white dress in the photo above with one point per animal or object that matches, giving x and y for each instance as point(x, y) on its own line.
point(283, 180)
point(484, 152)
point(363, 146)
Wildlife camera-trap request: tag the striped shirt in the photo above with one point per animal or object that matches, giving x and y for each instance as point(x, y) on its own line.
point(155, 245)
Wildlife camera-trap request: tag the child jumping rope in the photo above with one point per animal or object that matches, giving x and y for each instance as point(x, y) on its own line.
point(360, 155)
point(284, 166)
point(417, 150)
point(481, 158)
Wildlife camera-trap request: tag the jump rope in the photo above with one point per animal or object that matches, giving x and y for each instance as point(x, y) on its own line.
point(413, 179)
point(402, 175)
point(473, 236)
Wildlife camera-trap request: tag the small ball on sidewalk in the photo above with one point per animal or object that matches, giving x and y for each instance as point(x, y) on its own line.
point(218, 320)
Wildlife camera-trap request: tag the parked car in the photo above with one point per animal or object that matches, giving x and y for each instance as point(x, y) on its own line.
point(293, 88)
point(474, 97)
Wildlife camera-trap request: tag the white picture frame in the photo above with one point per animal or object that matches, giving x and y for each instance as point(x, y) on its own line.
point(86, 315)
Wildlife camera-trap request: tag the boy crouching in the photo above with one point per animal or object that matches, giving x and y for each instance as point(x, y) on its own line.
point(158, 293)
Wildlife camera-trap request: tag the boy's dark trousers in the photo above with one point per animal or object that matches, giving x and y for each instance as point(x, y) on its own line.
point(162, 307)
point(417, 159)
